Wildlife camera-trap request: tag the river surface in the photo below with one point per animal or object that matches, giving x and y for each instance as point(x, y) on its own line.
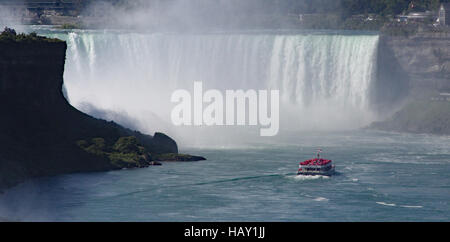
point(380, 177)
point(326, 82)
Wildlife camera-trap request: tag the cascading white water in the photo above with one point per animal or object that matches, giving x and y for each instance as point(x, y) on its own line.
point(324, 79)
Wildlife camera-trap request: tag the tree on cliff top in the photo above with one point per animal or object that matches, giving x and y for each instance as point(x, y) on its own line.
point(10, 35)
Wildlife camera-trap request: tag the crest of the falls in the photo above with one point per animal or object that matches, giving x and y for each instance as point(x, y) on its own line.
point(324, 79)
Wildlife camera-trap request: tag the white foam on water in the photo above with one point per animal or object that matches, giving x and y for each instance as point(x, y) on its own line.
point(411, 206)
point(321, 199)
point(308, 178)
point(395, 205)
point(387, 204)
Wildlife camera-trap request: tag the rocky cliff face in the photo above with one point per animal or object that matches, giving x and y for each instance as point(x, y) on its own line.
point(431, 117)
point(411, 70)
point(424, 60)
point(40, 131)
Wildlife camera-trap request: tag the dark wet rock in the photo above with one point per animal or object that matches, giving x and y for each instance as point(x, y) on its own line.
point(177, 157)
point(154, 163)
point(41, 134)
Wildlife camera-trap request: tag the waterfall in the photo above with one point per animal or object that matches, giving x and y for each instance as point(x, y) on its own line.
point(324, 78)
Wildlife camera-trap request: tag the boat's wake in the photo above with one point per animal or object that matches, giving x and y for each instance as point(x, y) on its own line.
point(395, 205)
point(235, 179)
point(307, 178)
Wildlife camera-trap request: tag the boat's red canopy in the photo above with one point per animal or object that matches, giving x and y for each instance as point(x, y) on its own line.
point(315, 162)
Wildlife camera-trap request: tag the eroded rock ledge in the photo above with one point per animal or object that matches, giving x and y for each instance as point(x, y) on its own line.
point(41, 134)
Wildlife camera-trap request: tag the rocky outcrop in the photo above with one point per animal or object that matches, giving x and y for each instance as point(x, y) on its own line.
point(41, 134)
point(431, 117)
point(168, 157)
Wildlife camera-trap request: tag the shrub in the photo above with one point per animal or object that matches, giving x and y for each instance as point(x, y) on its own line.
point(127, 145)
point(126, 151)
point(10, 35)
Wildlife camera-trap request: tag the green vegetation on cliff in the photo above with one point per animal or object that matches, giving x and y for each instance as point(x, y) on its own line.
point(128, 152)
point(10, 35)
point(125, 152)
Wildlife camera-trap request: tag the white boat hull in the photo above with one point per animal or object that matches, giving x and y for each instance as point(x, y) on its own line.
point(320, 172)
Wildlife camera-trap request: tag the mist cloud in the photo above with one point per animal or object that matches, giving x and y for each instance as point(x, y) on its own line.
point(11, 16)
point(201, 14)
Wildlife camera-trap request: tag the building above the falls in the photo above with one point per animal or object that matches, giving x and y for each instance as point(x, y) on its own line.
point(444, 14)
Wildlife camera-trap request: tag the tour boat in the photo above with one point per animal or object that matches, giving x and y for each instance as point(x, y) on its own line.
point(316, 166)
